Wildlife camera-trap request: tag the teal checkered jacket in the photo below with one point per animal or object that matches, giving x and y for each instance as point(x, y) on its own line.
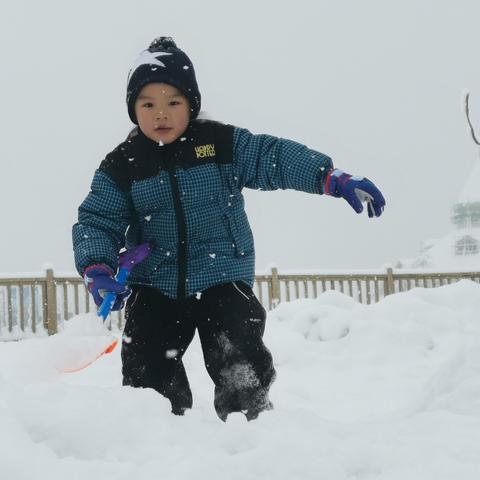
point(185, 198)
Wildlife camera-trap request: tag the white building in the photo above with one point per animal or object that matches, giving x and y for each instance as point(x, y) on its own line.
point(461, 247)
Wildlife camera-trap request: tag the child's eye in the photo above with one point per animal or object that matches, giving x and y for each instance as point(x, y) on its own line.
point(173, 103)
point(147, 105)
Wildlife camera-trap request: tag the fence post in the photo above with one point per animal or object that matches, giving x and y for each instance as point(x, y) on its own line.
point(390, 284)
point(275, 288)
point(51, 294)
point(9, 308)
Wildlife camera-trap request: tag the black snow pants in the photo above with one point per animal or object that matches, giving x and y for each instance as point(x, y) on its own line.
point(230, 322)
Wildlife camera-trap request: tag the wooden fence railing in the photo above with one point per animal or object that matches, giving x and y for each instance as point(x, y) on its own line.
point(38, 305)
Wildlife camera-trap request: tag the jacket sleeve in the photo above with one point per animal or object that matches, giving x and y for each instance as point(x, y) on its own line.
point(269, 163)
point(103, 218)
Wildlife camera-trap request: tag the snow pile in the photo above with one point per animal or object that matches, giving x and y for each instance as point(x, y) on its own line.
point(387, 391)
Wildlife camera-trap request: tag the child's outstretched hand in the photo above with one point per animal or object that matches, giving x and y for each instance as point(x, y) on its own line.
point(355, 190)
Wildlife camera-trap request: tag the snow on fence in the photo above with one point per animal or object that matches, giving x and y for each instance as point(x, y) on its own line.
point(38, 305)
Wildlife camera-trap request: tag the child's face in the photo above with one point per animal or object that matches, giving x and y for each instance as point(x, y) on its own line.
point(162, 112)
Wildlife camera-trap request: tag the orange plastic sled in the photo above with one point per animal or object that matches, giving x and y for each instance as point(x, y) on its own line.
point(110, 348)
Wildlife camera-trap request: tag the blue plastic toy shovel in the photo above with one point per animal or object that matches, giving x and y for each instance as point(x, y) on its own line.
point(127, 260)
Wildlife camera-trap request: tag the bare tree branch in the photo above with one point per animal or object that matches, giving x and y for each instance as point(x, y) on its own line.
point(467, 111)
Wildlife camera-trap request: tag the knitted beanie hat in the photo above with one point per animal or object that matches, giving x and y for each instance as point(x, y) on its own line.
point(163, 62)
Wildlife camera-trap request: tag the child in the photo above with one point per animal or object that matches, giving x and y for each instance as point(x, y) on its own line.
point(176, 183)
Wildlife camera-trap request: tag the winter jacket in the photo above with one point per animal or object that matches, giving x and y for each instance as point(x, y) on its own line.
point(186, 199)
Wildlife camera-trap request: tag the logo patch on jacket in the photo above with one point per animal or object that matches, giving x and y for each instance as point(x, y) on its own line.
point(204, 151)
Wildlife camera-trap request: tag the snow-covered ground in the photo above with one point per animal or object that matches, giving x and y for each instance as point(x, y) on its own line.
point(388, 391)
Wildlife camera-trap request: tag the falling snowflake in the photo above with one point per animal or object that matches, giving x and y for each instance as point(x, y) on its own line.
point(171, 353)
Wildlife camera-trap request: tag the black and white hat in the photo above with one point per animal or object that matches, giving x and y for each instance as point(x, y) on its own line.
point(163, 62)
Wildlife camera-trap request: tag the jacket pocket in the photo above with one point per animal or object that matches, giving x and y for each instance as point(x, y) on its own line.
point(235, 235)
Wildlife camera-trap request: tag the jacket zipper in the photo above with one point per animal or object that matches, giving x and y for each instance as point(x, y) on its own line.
point(182, 234)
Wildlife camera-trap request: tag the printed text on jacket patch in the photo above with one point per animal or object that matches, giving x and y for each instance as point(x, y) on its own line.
point(204, 151)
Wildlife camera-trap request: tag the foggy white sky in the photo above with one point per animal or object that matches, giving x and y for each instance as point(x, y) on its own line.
point(375, 84)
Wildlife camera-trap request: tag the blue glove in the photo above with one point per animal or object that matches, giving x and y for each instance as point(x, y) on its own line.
point(355, 190)
point(99, 281)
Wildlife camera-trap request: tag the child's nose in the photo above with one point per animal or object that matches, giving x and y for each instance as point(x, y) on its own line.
point(161, 114)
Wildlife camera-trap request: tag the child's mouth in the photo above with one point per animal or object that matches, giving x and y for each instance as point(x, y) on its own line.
point(162, 129)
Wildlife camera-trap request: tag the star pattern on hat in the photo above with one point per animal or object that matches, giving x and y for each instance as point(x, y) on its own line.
point(148, 58)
